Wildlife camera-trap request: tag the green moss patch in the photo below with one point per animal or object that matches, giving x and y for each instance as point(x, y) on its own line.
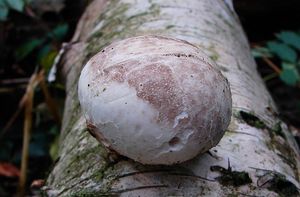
point(252, 120)
point(276, 129)
point(278, 183)
point(229, 177)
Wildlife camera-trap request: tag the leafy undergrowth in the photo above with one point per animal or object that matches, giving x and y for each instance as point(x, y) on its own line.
point(286, 49)
point(279, 64)
point(31, 35)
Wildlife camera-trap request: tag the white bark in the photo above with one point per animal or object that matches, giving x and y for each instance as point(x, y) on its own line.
point(265, 153)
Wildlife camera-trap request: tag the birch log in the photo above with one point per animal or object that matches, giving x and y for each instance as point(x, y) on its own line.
point(257, 155)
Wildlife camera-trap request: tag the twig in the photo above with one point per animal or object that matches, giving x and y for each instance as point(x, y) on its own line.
point(11, 121)
point(14, 81)
point(15, 115)
point(39, 79)
point(272, 65)
point(9, 90)
point(26, 132)
point(49, 100)
point(270, 76)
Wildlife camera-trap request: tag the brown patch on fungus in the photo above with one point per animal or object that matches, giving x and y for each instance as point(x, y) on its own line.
point(159, 89)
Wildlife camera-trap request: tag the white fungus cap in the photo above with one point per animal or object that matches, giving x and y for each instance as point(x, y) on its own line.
point(154, 99)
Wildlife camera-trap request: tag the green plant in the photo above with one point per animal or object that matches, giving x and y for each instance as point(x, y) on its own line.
point(286, 47)
point(46, 47)
point(7, 5)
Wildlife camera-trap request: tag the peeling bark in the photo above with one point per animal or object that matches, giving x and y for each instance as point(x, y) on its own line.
point(256, 156)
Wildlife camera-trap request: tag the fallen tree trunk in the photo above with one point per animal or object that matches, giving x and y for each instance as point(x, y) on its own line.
point(257, 155)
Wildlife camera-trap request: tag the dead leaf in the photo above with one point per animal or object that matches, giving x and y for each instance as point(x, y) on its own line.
point(9, 170)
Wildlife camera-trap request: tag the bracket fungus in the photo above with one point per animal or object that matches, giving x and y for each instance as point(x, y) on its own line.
point(154, 99)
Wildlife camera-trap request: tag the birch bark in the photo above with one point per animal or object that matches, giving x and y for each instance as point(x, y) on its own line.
point(256, 157)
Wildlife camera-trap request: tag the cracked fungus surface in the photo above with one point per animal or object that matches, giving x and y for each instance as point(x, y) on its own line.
point(154, 99)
